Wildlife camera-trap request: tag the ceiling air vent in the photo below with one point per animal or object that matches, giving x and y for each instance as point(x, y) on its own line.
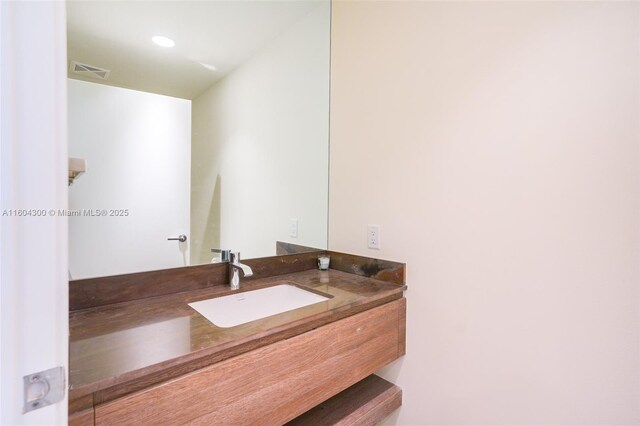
point(89, 70)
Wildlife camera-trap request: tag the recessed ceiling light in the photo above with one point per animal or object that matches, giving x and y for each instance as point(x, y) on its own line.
point(163, 41)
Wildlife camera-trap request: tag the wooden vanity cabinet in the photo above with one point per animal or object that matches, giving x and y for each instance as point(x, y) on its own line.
point(273, 384)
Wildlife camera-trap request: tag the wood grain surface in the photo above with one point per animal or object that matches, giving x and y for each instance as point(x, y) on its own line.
point(82, 418)
point(402, 324)
point(366, 403)
point(273, 384)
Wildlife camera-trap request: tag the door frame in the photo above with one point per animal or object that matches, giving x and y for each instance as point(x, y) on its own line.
point(34, 332)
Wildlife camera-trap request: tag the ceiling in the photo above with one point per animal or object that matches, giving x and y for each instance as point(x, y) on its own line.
point(116, 35)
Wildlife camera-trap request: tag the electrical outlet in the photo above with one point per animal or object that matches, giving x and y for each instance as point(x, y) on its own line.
point(293, 228)
point(373, 236)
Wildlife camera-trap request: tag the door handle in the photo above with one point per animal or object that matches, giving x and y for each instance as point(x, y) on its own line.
point(182, 238)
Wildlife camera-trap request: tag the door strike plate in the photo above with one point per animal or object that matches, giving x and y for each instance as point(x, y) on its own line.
point(43, 389)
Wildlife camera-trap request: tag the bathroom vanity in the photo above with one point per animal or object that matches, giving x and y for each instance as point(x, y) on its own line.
point(140, 354)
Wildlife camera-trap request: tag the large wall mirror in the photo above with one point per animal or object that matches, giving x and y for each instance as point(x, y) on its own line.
point(219, 133)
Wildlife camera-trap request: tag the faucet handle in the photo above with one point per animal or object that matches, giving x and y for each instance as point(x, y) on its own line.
point(225, 255)
point(234, 256)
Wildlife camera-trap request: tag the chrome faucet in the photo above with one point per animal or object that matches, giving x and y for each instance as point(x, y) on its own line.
point(233, 259)
point(236, 266)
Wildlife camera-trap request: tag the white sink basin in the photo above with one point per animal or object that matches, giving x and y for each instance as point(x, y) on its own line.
point(240, 308)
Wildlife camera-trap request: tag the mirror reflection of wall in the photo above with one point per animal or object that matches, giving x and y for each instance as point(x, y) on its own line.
point(260, 139)
point(138, 151)
point(236, 164)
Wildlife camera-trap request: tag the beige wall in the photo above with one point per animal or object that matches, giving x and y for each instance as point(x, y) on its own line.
point(497, 145)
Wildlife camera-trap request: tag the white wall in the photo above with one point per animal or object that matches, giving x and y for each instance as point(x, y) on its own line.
point(497, 145)
point(34, 292)
point(138, 151)
point(260, 147)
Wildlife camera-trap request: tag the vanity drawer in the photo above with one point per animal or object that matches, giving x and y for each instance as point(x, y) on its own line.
point(82, 418)
point(273, 384)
